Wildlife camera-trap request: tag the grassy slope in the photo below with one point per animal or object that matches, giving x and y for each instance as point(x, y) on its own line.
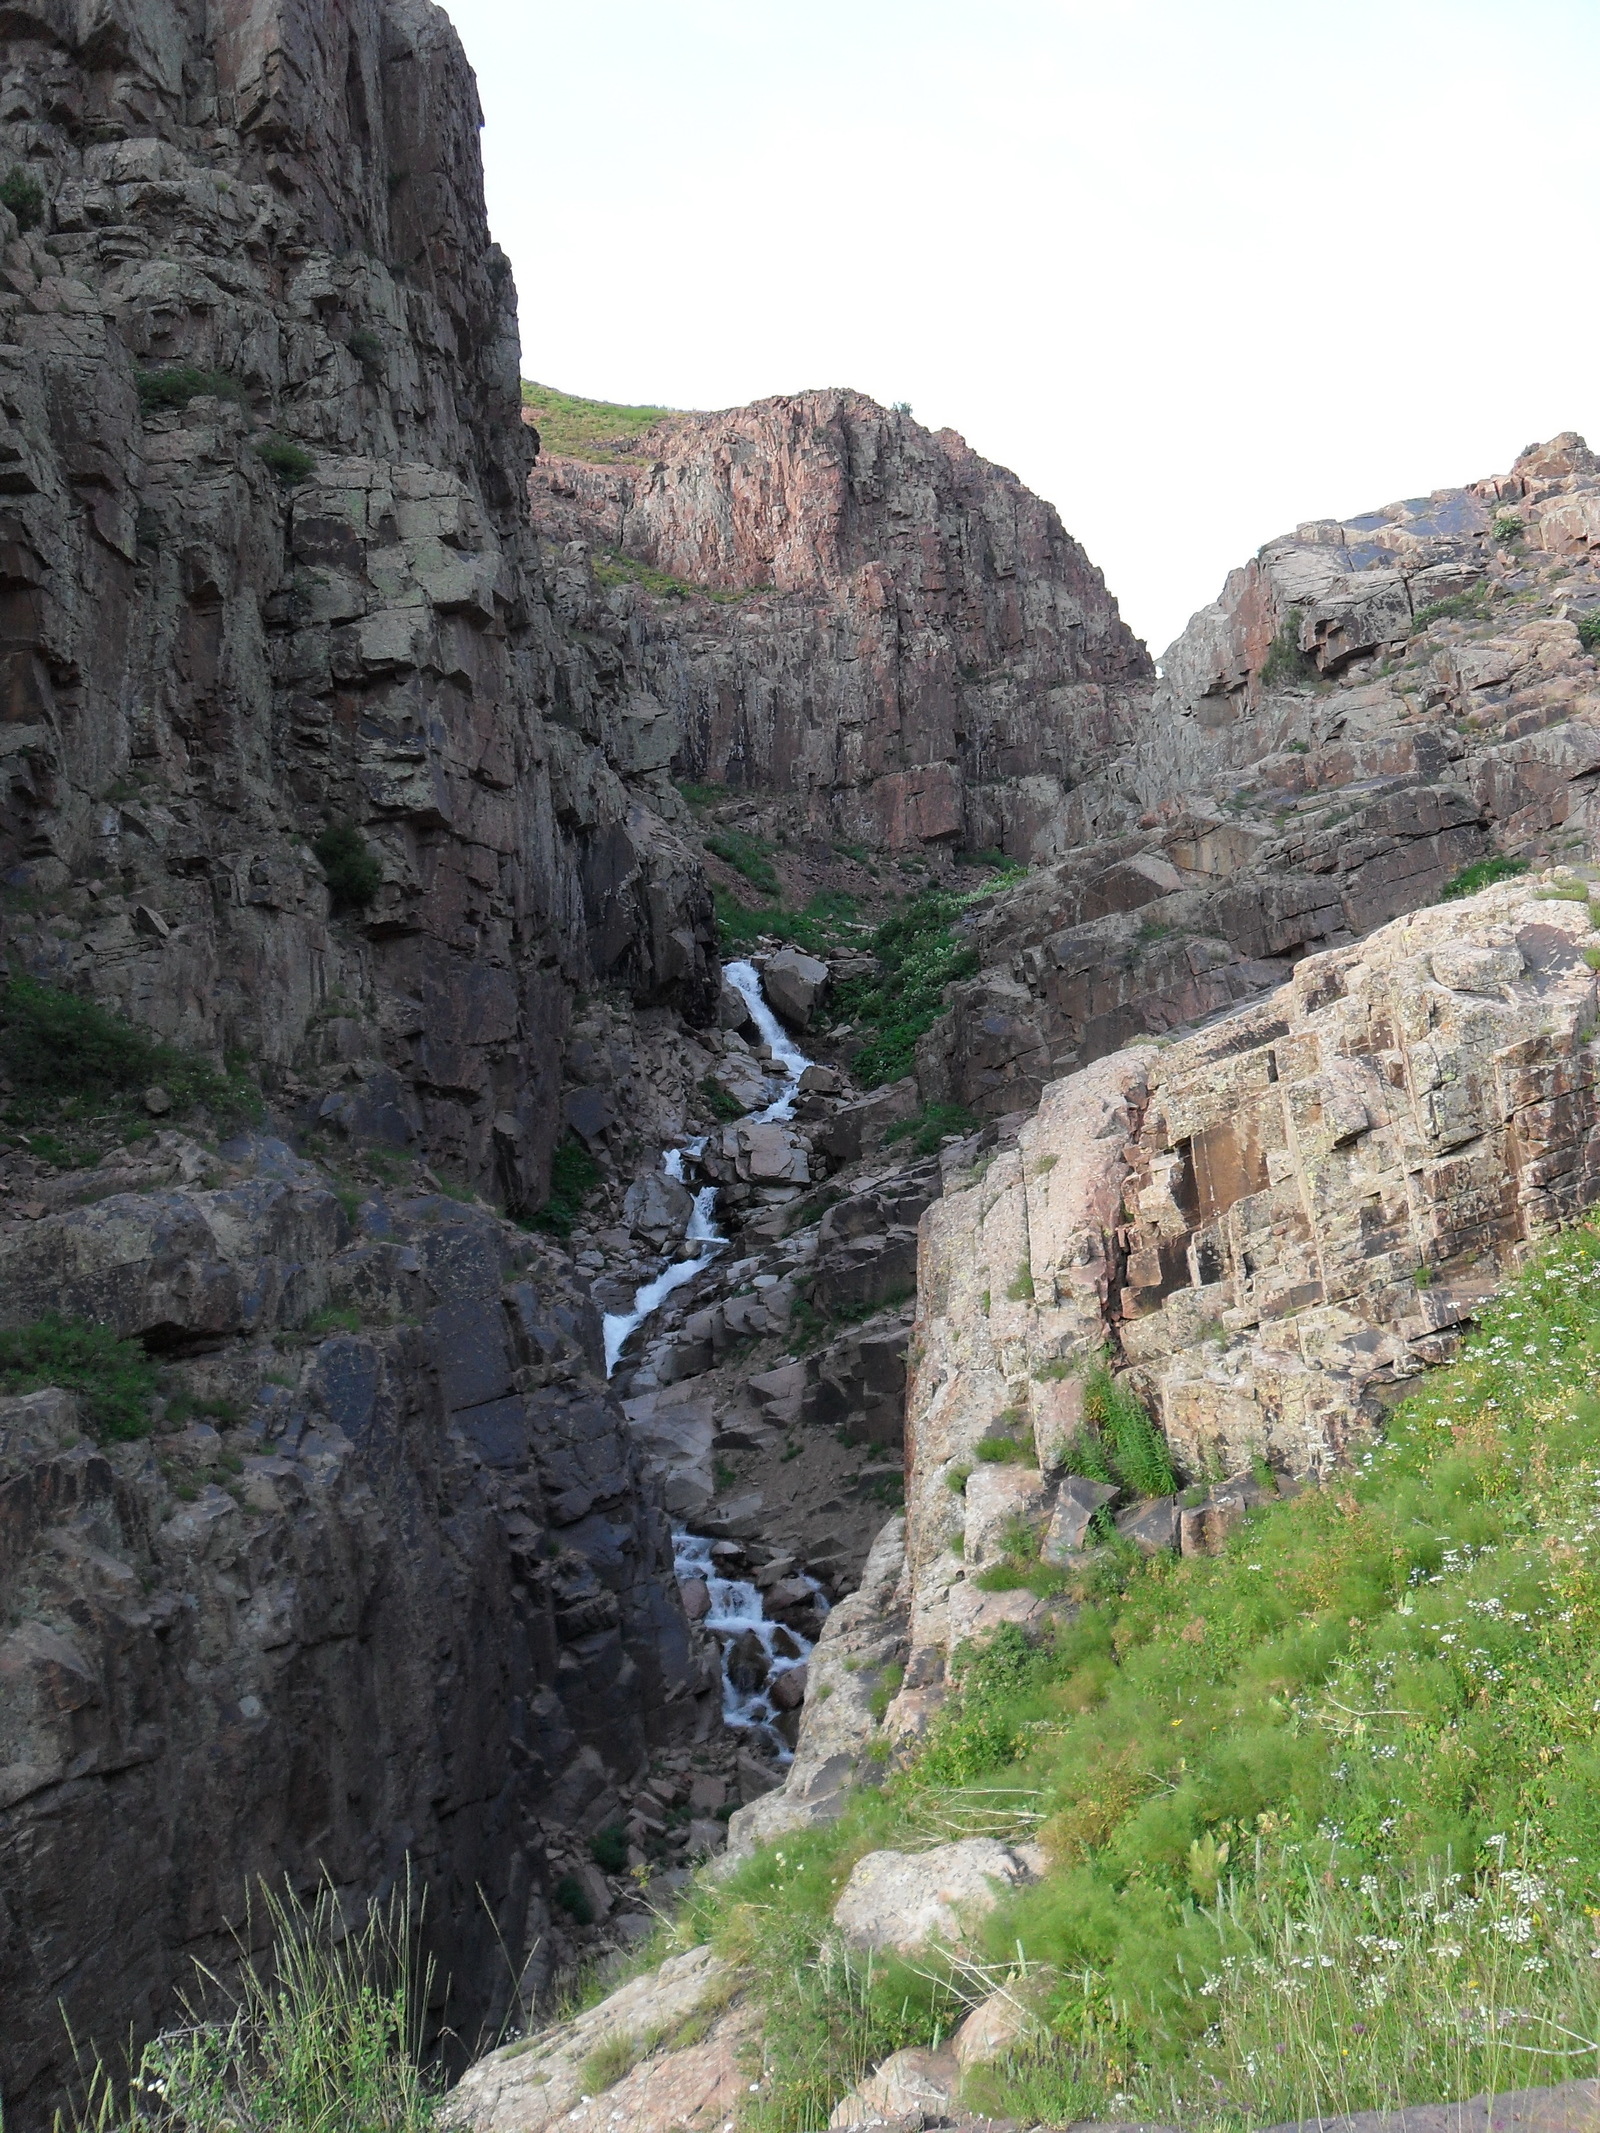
point(1323, 1812)
point(574, 428)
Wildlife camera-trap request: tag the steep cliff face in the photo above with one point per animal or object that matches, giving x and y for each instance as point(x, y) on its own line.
point(398, 1599)
point(1368, 709)
point(1269, 1226)
point(867, 616)
point(265, 565)
point(264, 561)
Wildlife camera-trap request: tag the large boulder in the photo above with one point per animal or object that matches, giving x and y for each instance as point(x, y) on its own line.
point(793, 984)
point(903, 1900)
point(658, 1206)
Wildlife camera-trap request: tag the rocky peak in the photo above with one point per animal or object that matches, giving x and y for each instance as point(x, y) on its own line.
point(861, 613)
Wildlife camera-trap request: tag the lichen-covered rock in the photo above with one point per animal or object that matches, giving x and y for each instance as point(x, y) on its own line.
point(903, 1900)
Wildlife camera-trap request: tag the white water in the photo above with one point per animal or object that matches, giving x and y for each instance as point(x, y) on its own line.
point(745, 978)
point(792, 1063)
point(736, 1607)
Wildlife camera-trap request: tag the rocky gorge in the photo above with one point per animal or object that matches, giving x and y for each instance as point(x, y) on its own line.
point(655, 1085)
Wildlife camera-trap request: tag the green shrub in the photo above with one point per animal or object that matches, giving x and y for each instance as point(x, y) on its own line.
point(1588, 628)
point(609, 1848)
point(24, 196)
point(1003, 1451)
point(1480, 875)
point(115, 1378)
point(367, 348)
point(569, 1895)
point(176, 386)
point(351, 868)
point(574, 1174)
point(718, 1101)
point(1286, 666)
point(930, 1126)
point(66, 1054)
point(747, 855)
point(918, 956)
point(291, 462)
point(1508, 527)
point(1135, 1447)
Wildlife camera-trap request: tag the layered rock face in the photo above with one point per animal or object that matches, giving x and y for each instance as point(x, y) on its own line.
point(867, 617)
point(1273, 1226)
point(265, 564)
point(1369, 708)
point(264, 561)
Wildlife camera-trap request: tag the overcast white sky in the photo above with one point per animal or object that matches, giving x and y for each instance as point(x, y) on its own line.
point(1196, 269)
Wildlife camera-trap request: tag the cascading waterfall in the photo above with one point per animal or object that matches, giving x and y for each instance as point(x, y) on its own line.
point(702, 1229)
point(735, 1603)
point(735, 1611)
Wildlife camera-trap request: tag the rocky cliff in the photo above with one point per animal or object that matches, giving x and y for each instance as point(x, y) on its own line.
point(1368, 709)
point(265, 562)
point(388, 1578)
point(837, 605)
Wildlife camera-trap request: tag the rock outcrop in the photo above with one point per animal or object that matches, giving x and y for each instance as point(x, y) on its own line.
point(839, 606)
point(1271, 1228)
point(1370, 708)
point(264, 561)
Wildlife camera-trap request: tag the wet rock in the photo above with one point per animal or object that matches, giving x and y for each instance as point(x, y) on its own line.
point(793, 984)
point(696, 1596)
point(658, 1207)
point(746, 1663)
point(733, 1011)
point(788, 1690)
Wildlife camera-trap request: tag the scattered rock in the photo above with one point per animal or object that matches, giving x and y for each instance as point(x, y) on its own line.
point(793, 984)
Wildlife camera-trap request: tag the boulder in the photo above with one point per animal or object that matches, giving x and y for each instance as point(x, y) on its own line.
point(746, 1663)
point(696, 1596)
point(994, 2027)
point(788, 1690)
point(1077, 1500)
point(1151, 1525)
point(733, 1010)
point(915, 2087)
point(902, 1900)
point(658, 1206)
point(793, 984)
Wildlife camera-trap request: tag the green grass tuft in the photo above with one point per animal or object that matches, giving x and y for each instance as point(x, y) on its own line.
point(324, 2031)
point(747, 855)
point(930, 1126)
point(1456, 607)
point(1480, 875)
point(1588, 628)
point(115, 1378)
point(571, 427)
point(918, 956)
point(291, 462)
point(1286, 666)
point(67, 1057)
point(177, 385)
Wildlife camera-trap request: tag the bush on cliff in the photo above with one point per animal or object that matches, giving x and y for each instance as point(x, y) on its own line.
point(350, 867)
point(1321, 1812)
point(918, 956)
point(115, 1379)
point(574, 1174)
point(1480, 875)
